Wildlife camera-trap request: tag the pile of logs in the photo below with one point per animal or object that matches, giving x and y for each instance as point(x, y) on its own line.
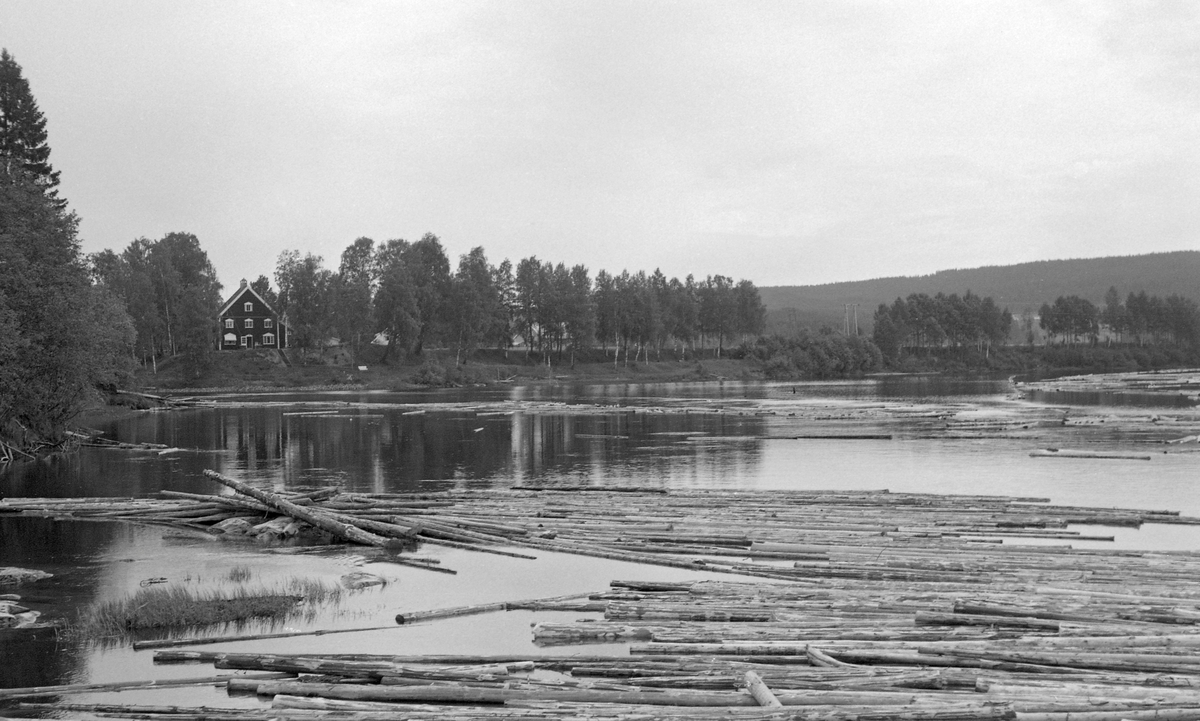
point(1176, 383)
point(1085, 650)
point(802, 536)
point(875, 606)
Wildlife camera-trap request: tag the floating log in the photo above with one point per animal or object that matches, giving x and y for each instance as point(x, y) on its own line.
point(177, 713)
point(36, 691)
point(201, 640)
point(414, 616)
point(501, 695)
point(1066, 453)
point(834, 437)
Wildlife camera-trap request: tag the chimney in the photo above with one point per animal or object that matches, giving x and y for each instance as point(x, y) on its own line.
point(244, 283)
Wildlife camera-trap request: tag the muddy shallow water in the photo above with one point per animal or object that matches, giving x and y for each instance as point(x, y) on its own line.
point(946, 437)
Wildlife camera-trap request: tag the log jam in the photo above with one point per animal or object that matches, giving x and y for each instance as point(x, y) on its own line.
point(834, 604)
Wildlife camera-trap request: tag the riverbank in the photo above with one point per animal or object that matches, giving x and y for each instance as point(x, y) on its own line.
point(262, 370)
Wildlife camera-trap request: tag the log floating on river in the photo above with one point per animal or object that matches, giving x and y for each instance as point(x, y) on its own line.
point(1071, 453)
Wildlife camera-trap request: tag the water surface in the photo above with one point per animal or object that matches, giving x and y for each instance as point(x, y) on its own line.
point(685, 435)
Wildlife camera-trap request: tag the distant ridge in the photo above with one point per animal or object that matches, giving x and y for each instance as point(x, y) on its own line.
point(1021, 286)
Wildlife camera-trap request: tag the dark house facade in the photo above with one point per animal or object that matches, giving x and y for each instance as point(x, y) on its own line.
point(247, 321)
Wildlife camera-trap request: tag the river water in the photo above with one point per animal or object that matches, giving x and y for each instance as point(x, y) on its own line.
point(947, 436)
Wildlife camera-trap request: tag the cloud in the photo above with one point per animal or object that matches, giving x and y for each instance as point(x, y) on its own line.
point(783, 142)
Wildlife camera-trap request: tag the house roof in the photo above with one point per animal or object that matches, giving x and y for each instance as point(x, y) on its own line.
point(238, 293)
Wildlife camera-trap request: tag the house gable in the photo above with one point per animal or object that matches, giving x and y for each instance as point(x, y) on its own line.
point(262, 307)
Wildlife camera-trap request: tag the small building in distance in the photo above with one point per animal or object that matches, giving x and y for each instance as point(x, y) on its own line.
point(248, 321)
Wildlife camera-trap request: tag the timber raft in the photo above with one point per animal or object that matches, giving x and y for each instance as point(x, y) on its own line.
point(838, 605)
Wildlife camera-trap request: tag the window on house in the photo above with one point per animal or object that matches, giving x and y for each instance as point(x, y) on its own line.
point(268, 323)
point(268, 339)
point(246, 341)
point(249, 307)
point(249, 322)
point(230, 339)
point(229, 322)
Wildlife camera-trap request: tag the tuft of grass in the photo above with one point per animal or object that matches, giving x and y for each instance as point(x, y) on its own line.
point(239, 574)
point(181, 607)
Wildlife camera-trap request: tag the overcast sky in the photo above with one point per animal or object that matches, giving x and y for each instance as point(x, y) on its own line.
point(785, 142)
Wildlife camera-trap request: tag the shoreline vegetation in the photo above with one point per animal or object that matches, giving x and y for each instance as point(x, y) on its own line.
point(776, 358)
point(154, 608)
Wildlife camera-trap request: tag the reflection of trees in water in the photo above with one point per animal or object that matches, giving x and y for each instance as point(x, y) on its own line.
point(623, 445)
point(69, 550)
point(45, 477)
point(936, 387)
point(380, 450)
point(391, 451)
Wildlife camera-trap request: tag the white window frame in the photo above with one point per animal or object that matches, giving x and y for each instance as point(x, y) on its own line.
point(268, 323)
point(229, 322)
point(246, 340)
point(249, 323)
point(248, 307)
point(268, 339)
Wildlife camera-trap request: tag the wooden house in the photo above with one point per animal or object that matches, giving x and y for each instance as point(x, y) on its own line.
point(248, 321)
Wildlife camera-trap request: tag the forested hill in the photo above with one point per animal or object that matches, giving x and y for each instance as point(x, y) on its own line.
point(1026, 285)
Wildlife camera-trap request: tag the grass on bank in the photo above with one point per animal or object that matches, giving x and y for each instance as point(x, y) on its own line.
point(263, 369)
point(181, 607)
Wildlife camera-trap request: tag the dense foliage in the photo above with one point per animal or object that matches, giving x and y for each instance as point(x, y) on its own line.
point(814, 355)
point(922, 321)
point(1148, 319)
point(170, 290)
point(407, 292)
point(1142, 319)
point(23, 145)
point(1071, 318)
point(60, 337)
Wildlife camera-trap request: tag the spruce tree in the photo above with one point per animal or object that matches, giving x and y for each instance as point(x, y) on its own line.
point(23, 144)
point(61, 338)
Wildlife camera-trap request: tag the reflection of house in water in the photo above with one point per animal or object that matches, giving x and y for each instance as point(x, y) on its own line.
point(258, 438)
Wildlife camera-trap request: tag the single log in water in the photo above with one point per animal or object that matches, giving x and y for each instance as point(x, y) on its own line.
point(499, 695)
point(35, 691)
point(529, 603)
point(199, 640)
point(1066, 453)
